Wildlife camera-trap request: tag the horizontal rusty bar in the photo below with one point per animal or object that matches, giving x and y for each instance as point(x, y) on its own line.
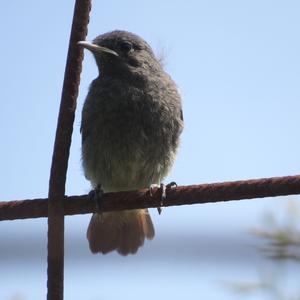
point(181, 195)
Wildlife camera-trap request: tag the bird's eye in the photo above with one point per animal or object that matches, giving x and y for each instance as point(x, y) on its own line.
point(126, 47)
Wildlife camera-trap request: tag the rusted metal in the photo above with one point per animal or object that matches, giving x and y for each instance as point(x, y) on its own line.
point(57, 205)
point(181, 195)
point(61, 151)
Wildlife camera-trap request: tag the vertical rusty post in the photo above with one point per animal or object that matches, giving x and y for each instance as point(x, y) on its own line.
point(61, 151)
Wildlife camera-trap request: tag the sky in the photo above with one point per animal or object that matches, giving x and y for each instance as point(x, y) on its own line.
point(237, 66)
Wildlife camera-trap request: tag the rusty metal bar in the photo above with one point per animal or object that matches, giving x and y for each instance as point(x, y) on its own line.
point(181, 195)
point(61, 151)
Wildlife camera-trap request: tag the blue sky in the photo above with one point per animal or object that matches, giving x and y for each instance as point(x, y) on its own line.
point(237, 66)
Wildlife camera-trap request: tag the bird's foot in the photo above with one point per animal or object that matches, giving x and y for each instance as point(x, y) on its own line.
point(152, 187)
point(96, 195)
point(164, 189)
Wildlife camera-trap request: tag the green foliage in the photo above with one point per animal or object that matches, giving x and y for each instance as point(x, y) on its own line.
point(281, 234)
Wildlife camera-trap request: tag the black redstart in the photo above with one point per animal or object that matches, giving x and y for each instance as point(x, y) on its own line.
point(131, 123)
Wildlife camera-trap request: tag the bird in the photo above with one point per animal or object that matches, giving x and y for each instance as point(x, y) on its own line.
point(131, 125)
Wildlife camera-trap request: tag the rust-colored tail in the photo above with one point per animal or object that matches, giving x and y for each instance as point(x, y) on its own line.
point(122, 231)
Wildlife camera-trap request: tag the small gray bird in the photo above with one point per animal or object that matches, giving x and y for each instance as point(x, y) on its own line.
point(131, 123)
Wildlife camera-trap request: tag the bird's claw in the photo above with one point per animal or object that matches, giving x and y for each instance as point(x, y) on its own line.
point(152, 187)
point(164, 189)
point(96, 195)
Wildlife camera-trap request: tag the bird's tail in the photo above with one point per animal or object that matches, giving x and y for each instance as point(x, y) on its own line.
point(122, 231)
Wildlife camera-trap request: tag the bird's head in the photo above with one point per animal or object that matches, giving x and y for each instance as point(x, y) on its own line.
point(122, 54)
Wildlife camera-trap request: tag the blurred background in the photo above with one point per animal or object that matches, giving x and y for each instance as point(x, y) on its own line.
point(237, 66)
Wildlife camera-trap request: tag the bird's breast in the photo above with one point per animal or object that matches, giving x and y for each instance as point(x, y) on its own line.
point(128, 140)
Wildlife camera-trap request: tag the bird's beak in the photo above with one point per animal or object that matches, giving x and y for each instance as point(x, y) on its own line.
point(96, 49)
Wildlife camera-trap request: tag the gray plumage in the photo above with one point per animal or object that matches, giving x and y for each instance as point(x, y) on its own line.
point(131, 123)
